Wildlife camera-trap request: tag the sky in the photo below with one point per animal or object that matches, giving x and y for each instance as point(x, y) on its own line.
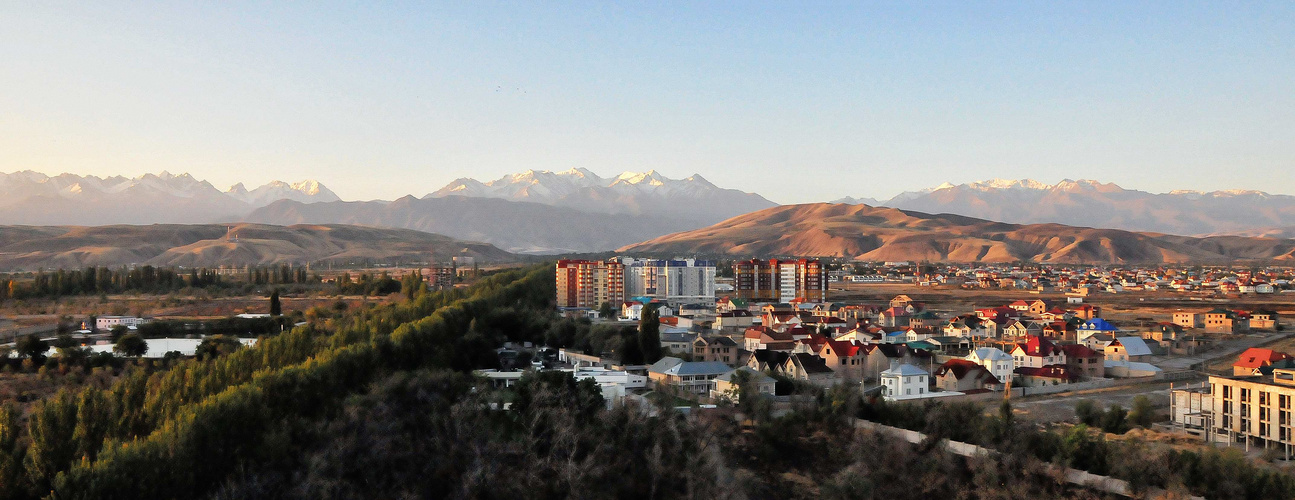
point(798, 101)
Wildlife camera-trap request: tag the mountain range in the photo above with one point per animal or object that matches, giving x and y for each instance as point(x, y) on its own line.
point(879, 234)
point(1091, 203)
point(541, 211)
point(37, 199)
point(211, 245)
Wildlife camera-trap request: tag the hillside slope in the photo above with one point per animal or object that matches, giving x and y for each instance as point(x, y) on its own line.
point(207, 245)
point(871, 233)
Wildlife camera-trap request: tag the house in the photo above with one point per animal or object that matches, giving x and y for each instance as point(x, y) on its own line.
point(847, 359)
point(1189, 319)
point(766, 360)
point(715, 348)
point(1084, 362)
point(924, 319)
point(999, 363)
point(1253, 359)
point(1037, 352)
point(1263, 320)
point(729, 304)
point(913, 334)
point(1095, 326)
point(1038, 307)
point(893, 317)
point(696, 377)
point(882, 356)
point(726, 387)
point(677, 342)
point(1088, 311)
point(1044, 375)
point(1127, 349)
point(901, 301)
point(808, 368)
point(950, 345)
point(904, 381)
point(1224, 321)
point(740, 318)
point(963, 375)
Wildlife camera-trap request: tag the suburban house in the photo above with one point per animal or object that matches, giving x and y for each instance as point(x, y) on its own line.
point(677, 342)
point(696, 377)
point(847, 359)
point(962, 375)
point(1000, 364)
point(1044, 375)
point(1127, 349)
point(808, 368)
point(1263, 320)
point(715, 348)
point(1224, 321)
point(1084, 362)
point(904, 381)
point(1088, 311)
point(727, 387)
point(740, 318)
point(883, 356)
point(1189, 319)
point(1096, 326)
point(1037, 352)
point(1255, 358)
point(765, 360)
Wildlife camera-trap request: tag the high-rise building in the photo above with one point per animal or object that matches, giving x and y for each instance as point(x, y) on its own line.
point(687, 281)
point(780, 280)
point(590, 283)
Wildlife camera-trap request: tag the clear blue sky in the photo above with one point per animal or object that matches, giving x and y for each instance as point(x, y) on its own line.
point(797, 101)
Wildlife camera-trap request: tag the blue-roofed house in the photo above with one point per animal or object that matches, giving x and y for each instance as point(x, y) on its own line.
point(1095, 326)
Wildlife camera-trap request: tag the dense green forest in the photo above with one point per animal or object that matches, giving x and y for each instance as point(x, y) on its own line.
point(379, 402)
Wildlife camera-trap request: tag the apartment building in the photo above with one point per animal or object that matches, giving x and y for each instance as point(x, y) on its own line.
point(590, 283)
point(687, 281)
point(781, 280)
point(1257, 409)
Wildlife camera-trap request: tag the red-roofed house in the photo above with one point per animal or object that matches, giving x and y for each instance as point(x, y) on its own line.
point(847, 359)
point(1037, 352)
point(1254, 358)
point(1044, 375)
point(1084, 362)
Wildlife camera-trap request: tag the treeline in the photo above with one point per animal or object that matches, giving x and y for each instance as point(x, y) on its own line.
point(144, 279)
point(185, 430)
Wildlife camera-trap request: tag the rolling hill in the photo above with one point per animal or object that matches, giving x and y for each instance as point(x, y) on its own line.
point(873, 233)
point(207, 245)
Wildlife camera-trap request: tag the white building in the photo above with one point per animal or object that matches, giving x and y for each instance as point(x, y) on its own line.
point(685, 281)
point(107, 322)
point(905, 381)
point(1000, 364)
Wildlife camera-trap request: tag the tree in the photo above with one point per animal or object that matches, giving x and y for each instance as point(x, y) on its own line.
point(32, 347)
point(217, 345)
point(275, 308)
point(1143, 413)
point(605, 310)
point(1087, 413)
point(117, 331)
point(1114, 420)
point(131, 345)
point(649, 338)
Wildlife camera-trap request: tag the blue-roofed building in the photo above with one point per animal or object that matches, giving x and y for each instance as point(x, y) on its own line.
point(1095, 326)
point(697, 377)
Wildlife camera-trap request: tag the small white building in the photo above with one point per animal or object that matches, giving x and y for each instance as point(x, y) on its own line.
point(107, 322)
point(905, 381)
point(1000, 364)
